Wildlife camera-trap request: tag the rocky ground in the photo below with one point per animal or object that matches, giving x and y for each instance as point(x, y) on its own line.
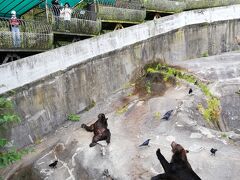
point(132, 120)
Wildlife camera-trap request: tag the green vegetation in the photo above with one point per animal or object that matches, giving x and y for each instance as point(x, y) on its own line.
point(7, 116)
point(6, 158)
point(238, 92)
point(6, 112)
point(223, 135)
point(205, 54)
point(148, 87)
point(122, 109)
point(83, 4)
point(91, 105)
point(157, 115)
point(212, 112)
point(73, 117)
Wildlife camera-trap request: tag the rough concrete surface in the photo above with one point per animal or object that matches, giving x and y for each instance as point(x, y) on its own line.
point(44, 104)
point(122, 159)
point(223, 75)
point(27, 70)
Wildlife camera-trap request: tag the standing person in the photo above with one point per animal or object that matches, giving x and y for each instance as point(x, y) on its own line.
point(66, 14)
point(56, 11)
point(15, 23)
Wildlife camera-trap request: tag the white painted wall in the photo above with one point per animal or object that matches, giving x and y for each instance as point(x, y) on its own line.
point(24, 71)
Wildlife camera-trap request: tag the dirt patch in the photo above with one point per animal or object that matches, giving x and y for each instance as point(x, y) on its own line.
point(153, 82)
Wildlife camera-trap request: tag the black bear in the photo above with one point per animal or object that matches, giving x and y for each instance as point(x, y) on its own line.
point(100, 130)
point(179, 167)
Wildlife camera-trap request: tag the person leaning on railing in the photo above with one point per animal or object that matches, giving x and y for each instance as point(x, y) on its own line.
point(15, 23)
point(66, 13)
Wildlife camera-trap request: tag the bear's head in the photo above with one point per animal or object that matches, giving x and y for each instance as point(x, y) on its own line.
point(102, 119)
point(179, 153)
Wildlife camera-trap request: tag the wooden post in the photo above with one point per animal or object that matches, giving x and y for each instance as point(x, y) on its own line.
point(47, 11)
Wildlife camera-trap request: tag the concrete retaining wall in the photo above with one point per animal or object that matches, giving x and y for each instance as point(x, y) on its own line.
point(51, 85)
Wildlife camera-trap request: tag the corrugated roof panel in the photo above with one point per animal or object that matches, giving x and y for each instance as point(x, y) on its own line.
point(26, 7)
point(11, 5)
point(62, 2)
point(20, 6)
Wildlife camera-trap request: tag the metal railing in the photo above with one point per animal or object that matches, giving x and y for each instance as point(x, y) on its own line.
point(134, 4)
point(81, 22)
point(76, 26)
point(31, 35)
point(121, 11)
point(84, 14)
point(164, 5)
point(199, 4)
point(182, 5)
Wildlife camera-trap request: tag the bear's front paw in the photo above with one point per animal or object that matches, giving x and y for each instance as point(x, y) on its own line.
point(158, 152)
point(83, 125)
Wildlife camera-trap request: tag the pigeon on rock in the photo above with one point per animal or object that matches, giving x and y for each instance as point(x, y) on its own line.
point(190, 91)
point(54, 164)
point(145, 143)
point(213, 151)
point(167, 115)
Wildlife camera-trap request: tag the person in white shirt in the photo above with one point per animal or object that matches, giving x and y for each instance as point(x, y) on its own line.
point(66, 13)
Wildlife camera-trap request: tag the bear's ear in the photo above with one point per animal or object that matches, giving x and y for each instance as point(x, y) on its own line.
point(187, 151)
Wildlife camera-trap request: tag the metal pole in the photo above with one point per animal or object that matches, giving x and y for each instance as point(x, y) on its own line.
point(47, 12)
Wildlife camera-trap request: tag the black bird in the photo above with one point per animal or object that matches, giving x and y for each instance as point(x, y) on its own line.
point(167, 115)
point(213, 151)
point(54, 164)
point(145, 143)
point(190, 91)
point(196, 82)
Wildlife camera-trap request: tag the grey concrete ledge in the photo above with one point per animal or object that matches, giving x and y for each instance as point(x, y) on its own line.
point(21, 72)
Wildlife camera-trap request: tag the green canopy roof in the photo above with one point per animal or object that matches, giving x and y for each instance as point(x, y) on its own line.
point(23, 6)
point(20, 6)
point(62, 2)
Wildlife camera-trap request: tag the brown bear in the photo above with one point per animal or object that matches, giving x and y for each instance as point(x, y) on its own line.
point(179, 167)
point(100, 130)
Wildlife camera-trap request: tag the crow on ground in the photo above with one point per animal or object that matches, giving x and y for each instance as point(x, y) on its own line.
point(145, 143)
point(167, 115)
point(213, 151)
point(190, 91)
point(54, 164)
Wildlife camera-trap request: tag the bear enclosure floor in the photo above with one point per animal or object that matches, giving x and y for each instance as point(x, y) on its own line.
point(132, 120)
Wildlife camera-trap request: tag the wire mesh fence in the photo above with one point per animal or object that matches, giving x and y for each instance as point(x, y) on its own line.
point(121, 11)
point(84, 14)
point(198, 4)
point(164, 5)
point(80, 21)
point(76, 25)
point(126, 4)
point(181, 5)
point(27, 35)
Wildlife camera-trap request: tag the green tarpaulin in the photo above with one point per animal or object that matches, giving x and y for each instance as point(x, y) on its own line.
point(23, 6)
point(20, 6)
point(62, 2)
